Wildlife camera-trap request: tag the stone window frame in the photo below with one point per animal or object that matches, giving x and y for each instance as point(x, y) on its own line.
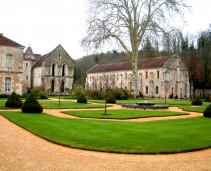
point(8, 82)
point(8, 61)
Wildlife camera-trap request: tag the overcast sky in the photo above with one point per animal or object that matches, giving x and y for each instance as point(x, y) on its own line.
point(44, 24)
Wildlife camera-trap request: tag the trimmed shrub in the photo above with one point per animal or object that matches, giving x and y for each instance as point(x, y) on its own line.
point(111, 99)
point(97, 95)
point(4, 95)
point(39, 93)
point(82, 98)
point(31, 105)
point(120, 94)
point(196, 101)
point(207, 112)
point(14, 101)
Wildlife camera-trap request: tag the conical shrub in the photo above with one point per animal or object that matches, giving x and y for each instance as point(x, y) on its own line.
point(31, 105)
point(13, 101)
point(82, 98)
point(207, 112)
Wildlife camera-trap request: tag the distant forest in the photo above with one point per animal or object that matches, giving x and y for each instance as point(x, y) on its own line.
point(194, 50)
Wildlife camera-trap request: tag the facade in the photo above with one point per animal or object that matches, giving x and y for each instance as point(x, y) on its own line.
point(11, 66)
point(158, 77)
point(54, 71)
point(21, 71)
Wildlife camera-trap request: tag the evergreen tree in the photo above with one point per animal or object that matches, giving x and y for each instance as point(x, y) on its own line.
point(31, 105)
point(13, 101)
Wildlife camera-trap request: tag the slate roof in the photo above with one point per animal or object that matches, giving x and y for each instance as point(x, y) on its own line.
point(8, 42)
point(156, 62)
point(29, 55)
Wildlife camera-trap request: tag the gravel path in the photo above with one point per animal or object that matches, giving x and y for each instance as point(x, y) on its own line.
point(22, 151)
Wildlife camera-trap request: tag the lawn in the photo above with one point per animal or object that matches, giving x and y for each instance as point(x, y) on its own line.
point(67, 104)
point(122, 114)
point(199, 109)
point(167, 136)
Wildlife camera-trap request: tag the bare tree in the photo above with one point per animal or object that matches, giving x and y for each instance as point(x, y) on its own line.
point(166, 88)
point(128, 22)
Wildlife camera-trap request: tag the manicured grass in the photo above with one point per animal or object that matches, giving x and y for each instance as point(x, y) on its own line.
point(170, 102)
point(67, 104)
point(122, 114)
point(199, 109)
point(167, 136)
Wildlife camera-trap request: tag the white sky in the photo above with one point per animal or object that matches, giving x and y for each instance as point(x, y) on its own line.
point(44, 24)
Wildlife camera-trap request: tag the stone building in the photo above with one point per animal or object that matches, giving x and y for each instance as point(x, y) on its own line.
point(11, 66)
point(54, 71)
point(158, 77)
point(21, 71)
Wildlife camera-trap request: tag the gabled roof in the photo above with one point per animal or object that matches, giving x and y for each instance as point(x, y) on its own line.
point(156, 62)
point(41, 59)
point(29, 55)
point(8, 42)
point(39, 62)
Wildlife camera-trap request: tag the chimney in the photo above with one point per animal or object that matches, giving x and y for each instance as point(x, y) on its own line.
point(1, 34)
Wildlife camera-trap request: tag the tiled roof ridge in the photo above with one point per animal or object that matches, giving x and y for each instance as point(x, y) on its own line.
point(142, 63)
point(8, 42)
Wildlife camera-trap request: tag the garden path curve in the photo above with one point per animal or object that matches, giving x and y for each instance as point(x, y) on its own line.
point(21, 150)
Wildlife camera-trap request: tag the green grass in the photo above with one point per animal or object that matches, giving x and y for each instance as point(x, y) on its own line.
point(167, 136)
point(199, 109)
point(122, 114)
point(170, 102)
point(67, 104)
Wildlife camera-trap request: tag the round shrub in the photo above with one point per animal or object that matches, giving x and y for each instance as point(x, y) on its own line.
point(207, 112)
point(14, 101)
point(111, 99)
point(196, 101)
point(82, 99)
point(31, 105)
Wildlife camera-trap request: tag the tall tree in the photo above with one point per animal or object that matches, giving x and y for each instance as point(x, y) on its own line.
point(128, 22)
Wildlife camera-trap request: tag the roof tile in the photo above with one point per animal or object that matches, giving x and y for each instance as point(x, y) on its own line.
point(142, 64)
point(8, 42)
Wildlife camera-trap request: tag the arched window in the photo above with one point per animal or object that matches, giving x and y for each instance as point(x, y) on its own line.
point(7, 84)
point(156, 91)
point(146, 89)
point(62, 86)
point(53, 70)
point(146, 75)
point(63, 70)
point(52, 85)
point(8, 61)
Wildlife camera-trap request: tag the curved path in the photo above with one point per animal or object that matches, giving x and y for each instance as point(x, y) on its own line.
point(21, 150)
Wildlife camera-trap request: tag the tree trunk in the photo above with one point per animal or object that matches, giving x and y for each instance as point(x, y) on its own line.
point(134, 62)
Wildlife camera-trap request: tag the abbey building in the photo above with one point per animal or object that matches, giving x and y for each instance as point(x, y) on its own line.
point(20, 71)
point(158, 77)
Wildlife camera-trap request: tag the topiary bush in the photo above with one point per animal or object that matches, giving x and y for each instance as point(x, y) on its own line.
point(82, 99)
point(207, 112)
point(14, 101)
point(196, 101)
point(31, 105)
point(4, 95)
point(111, 99)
